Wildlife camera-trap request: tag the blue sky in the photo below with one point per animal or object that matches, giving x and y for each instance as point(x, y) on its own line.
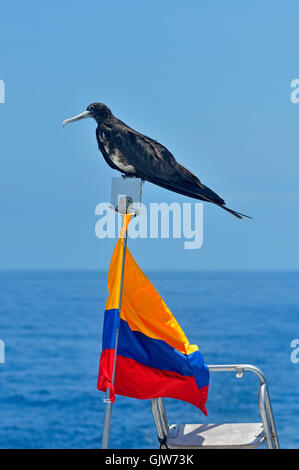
point(210, 80)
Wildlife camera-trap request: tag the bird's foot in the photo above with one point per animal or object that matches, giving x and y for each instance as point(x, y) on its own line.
point(128, 175)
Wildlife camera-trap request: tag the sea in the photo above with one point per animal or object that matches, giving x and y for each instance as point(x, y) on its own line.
point(51, 328)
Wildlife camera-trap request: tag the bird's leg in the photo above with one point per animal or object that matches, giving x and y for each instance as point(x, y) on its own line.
point(127, 175)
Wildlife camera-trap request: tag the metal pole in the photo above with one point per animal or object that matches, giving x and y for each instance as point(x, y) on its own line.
point(107, 400)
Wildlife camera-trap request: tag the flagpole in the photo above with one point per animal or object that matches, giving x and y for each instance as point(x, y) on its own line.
point(107, 400)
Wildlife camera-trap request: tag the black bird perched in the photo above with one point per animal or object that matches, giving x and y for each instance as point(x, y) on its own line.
point(135, 154)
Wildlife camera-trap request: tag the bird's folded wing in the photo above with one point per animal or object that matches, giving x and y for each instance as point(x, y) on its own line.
point(153, 162)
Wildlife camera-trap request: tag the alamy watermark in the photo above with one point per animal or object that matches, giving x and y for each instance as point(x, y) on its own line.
point(295, 353)
point(2, 91)
point(160, 220)
point(2, 351)
point(294, 95)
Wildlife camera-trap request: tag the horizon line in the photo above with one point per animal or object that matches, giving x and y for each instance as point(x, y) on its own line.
point(86, 269)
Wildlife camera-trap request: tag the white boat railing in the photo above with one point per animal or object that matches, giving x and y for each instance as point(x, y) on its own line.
point(265, 407)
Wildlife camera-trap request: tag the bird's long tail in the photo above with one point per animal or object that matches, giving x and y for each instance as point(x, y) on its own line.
point(221, 204)
point(215, 199)
point(203, 193)
point(235, 213)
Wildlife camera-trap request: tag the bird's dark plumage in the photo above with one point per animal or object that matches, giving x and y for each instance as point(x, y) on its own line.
point(135, 154)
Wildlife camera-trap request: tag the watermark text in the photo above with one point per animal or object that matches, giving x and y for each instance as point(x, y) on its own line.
point(2, 352)
point(295, 353)
point(160, 220)
point(294, 96)
point(2, 91)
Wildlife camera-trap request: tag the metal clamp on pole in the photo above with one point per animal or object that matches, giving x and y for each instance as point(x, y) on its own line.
point(107, 400)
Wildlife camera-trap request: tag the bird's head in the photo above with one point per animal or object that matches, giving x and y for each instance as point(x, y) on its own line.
point(97, 111)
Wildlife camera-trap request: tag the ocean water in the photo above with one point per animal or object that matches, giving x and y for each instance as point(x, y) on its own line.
point(51, 323)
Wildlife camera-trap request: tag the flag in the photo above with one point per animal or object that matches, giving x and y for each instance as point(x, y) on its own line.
point(154, 357)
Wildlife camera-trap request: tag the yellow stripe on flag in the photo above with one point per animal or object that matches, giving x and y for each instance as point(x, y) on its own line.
point(142, 307)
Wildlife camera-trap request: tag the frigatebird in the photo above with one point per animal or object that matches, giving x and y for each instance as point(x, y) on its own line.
point(136, 155)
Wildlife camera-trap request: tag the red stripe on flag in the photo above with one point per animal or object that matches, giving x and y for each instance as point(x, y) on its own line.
point(105, 372)
point(136, 380)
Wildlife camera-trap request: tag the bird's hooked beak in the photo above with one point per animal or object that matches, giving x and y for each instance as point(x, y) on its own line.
point(84, 115)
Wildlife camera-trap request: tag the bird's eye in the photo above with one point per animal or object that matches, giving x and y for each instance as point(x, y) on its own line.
point(90, 108)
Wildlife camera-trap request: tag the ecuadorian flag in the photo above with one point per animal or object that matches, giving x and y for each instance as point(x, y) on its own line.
point(154, 357)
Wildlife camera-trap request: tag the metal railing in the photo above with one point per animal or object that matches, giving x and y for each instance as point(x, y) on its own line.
point(265, 407)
